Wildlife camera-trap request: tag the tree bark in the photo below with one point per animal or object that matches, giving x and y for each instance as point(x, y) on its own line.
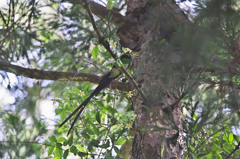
point(61, 76)
point(158, 127)
point(158, 130)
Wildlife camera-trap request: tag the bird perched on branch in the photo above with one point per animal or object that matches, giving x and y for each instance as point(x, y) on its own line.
point(103, 83)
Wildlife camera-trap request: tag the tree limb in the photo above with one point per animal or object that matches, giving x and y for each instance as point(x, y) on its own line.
point(61, 76)
point(103, 12)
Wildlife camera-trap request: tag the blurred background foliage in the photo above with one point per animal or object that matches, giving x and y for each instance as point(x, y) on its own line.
point(57, 36)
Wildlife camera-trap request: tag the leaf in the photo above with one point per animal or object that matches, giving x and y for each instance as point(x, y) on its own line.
point(65, 154)
point(74, 150)
point(99, 103)
point(52, 138)
point(61, 139)
point(217, 134)
point(95, 129)
point(59, 145)
point(58, 153)
point(162, 41)
point(94, 143)
point(112, 138)
point(86, 136)
point(50, 150)
point(201, 155)
point(58, 111)
point(70, 140)
point(90, 131)
point(87, 115)
point(81, 154)
point(225, 138)
point(95, 53)
point(63, 115)
point(230, 138)
point(215, 147)
point(118, 152)
point(98, 117)
point(120, 141)
point(236, 138)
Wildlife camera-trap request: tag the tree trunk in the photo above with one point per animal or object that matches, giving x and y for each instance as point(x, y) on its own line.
point(158, 125)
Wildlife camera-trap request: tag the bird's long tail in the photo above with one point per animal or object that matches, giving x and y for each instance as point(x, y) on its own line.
point(102, 84)
point(81, 108)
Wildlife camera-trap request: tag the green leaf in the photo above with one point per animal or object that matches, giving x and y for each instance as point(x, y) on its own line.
point(50, 150)
point(215, 147)
point(61, 139)
point(70, 140)
point(74, 150)
point(90, 131)
point(95, 53)
point(230, 138)
point(120, 141)
point(236, 138)
point(65, 154)
point(87, 115)
point(98, 117)
point(58, 111)
point(86, 136)
point(162, 41)
point(95, 129)
point(94, 143)
point(217, 134)
point(118, 152)
point(99, 103)
point(81, 154)
point(52, 138)
point(58, 145)
point(111, 110)
point(63, 115)
point(202, 155)
point(112, 138)
point(58, 153)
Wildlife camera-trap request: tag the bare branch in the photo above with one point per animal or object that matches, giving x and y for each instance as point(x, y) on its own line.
point(61, 76)
point(103, 12)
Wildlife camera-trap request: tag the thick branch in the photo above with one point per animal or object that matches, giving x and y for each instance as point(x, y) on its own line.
point(103, 12)
point(61, 76)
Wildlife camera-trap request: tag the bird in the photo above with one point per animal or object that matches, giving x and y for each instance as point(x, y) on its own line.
point(103, 83)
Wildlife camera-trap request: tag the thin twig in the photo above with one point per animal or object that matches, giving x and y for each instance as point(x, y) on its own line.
point(107, 47)
point(94, 65)
point(236, 148)
point(174, 105)
point(121, 8)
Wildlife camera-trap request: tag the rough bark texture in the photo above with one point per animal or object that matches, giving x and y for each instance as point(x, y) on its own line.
point(158, 128)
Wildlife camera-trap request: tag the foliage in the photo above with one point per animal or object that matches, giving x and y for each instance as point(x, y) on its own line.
point(64, 40)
